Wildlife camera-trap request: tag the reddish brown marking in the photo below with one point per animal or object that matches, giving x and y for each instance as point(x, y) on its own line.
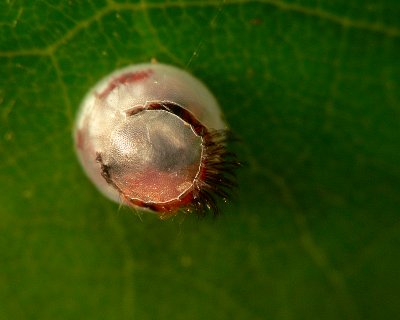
point(154, 185)
point(177, 110)
point(161, 207)
point(125, 78)
point(79, 139)
point(168, 207)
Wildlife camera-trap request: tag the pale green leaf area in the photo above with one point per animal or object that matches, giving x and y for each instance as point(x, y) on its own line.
point(311, 87)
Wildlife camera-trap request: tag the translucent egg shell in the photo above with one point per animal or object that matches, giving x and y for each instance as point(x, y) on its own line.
point(141, 136)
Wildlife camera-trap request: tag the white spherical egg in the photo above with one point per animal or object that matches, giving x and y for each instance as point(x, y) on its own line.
point(152, 136)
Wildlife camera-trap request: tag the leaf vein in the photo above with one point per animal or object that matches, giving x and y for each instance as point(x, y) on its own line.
point(345, 22)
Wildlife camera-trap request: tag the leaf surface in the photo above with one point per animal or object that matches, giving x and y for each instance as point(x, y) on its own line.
point(312, 89)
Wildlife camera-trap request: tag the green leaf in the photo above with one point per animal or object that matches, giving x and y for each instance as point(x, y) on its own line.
point(313, 90)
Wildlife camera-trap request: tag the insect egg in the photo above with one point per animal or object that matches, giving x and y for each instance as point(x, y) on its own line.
point(152, 136)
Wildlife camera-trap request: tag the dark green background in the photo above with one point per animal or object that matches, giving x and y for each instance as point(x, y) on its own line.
point(312, 88)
